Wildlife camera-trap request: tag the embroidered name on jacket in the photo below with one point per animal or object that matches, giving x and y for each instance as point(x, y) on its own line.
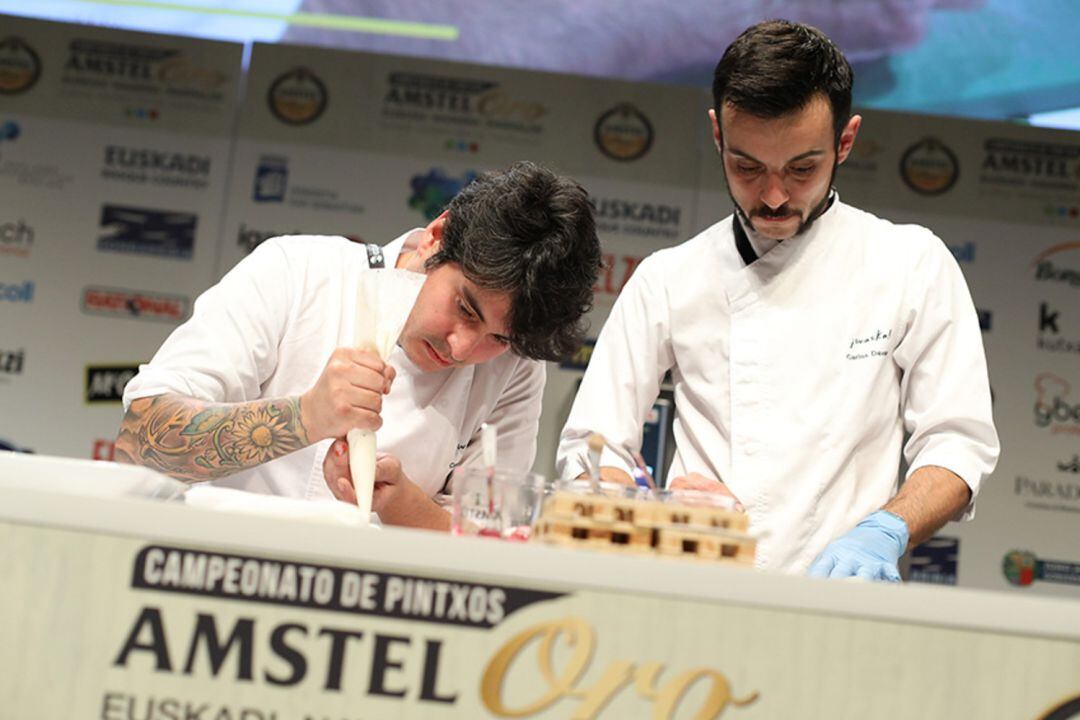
point(875, 344)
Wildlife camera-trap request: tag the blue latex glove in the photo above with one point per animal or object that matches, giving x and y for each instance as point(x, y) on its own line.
point(869, 551)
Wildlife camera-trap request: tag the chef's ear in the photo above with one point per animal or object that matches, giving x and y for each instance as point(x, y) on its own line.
point(717, 136)
point(433, 235)
point(847, 138)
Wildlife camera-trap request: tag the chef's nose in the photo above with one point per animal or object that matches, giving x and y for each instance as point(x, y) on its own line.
point(774, 195)
point(463, 341)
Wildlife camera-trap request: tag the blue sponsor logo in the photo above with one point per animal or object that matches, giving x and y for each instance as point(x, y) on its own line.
point(431, 193)
point(10, 131)
point(935, 561)
point(17, 292)
point(271, 179)
point(964, 253)
point(164, 233)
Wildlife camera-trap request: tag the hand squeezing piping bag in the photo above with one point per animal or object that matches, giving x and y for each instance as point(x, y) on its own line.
point(383, 303)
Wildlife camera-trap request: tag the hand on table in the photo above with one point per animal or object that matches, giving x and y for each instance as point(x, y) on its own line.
point(870, 550)
point(347, 395)
point(696, 481)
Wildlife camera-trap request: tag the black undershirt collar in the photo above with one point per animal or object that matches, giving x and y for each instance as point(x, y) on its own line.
point(742, 242)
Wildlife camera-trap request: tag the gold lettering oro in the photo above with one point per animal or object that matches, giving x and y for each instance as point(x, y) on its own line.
point(497, 104)
point(576, 634)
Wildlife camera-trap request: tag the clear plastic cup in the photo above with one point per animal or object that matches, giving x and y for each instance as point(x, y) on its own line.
point(504, 505)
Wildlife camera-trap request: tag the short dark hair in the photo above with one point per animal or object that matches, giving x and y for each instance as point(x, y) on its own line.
point(531, 233)
point(777, 67)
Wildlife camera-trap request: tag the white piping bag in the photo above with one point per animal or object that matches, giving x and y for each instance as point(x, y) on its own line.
point(383, 303)
point(489, 440)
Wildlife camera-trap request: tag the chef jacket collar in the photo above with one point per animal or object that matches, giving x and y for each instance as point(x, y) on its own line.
point(752, 246)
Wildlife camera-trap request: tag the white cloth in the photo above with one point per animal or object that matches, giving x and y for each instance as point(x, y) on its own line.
point(268, 329)
point(797, 376)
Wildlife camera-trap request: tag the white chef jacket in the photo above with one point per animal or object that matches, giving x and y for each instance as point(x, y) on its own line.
point(797, 376)
point(268, 329)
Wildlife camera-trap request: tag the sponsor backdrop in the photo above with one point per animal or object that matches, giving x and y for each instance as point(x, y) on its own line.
point(114, 149)
point(132, 176)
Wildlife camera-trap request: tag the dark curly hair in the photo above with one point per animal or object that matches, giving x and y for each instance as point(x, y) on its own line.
point(531, 233)
point(777, 67)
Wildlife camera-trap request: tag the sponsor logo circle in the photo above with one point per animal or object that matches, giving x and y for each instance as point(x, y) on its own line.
point(1019, 567)
point(297, 97)
point(623, 133)
point(929, 167)
point(20, 66)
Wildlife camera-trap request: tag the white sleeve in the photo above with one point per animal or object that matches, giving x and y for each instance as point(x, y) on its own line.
point(228, 347)
point(945, 390)
point(516, 416)
point(623, 378)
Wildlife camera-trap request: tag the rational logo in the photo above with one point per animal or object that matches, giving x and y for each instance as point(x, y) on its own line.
point(165, 233)
point(20, 66)
point(137, 304)
point(105, 383)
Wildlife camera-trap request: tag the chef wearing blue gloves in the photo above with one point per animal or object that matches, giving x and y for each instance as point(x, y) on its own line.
point(870, 551)
point(810, 344)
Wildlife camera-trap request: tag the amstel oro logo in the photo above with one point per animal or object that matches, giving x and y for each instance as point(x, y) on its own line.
point(1019, 567)
point(20, 66)
point(297, 97)
point(929, 167)
point(623, 133)
point(575, 637)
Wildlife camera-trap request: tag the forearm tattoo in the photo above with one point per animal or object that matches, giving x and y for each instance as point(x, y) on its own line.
point(194, 441)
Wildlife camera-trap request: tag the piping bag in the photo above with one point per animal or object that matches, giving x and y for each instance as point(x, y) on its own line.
point(383, 303)
point(489, 439)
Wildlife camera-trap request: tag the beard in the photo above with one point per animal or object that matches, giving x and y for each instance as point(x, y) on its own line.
point(784, 211)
